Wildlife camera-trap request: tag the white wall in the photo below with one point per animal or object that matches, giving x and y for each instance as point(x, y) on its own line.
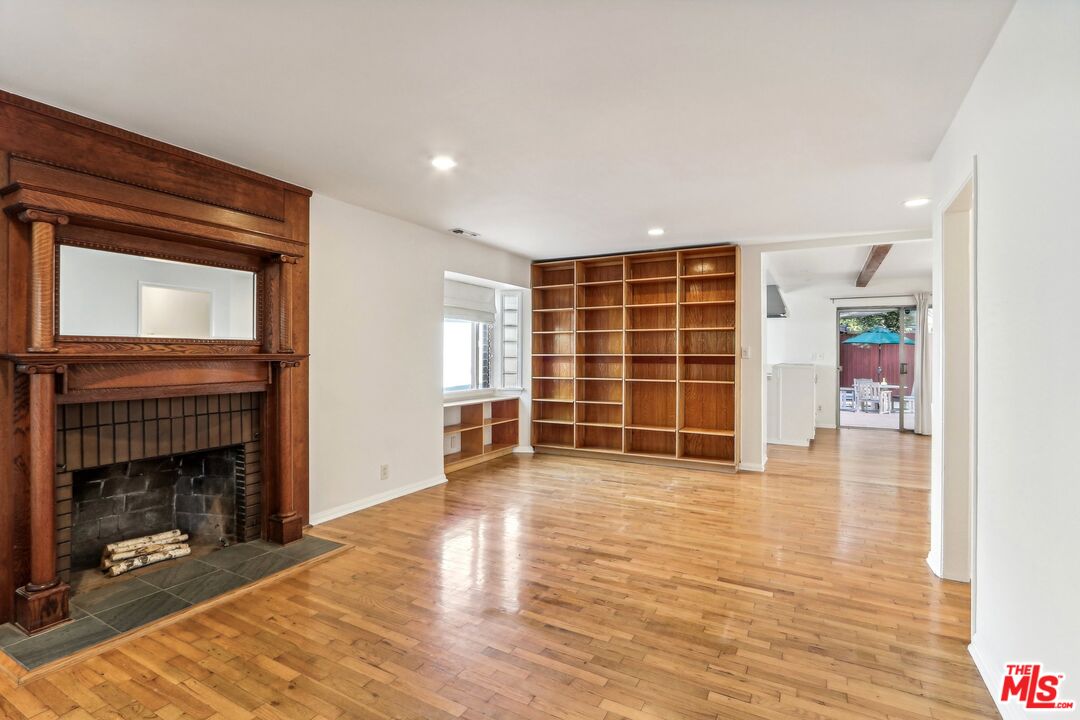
point(376, 350)
point(808, 335)
point(1021, 119)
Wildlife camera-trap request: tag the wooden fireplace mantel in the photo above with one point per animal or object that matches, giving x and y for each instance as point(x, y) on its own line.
point(70, 180)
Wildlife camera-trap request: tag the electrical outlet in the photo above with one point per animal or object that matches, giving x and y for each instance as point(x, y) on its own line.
point(384, 472)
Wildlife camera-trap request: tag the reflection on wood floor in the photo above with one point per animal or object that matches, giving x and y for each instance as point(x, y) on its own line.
point(549, 587)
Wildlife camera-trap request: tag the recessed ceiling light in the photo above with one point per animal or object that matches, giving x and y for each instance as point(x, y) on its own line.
point(443, 162)
point(656, 232)
point(916, 202)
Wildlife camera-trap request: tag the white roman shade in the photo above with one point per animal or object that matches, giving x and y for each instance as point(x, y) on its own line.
point(462, 301)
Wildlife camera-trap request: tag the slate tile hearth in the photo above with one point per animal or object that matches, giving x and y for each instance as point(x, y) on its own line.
point(131, 602)
point(142, 611)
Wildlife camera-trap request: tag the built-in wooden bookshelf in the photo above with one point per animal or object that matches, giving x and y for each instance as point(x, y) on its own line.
point(634, 356)
point(479, 430)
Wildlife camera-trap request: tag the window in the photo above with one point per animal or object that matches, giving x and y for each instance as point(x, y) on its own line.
point(467, 354)
point(481, 336)
point(510, 333)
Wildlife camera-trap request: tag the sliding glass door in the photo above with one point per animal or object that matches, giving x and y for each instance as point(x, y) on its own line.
point(876, 372)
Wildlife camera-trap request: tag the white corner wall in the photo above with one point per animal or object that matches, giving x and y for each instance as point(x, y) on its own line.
point(808, 335)
point(1021, 119)
point(376, 351)
point(752, 397)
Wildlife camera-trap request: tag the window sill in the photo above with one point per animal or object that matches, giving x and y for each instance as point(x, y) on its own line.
point(463, 395)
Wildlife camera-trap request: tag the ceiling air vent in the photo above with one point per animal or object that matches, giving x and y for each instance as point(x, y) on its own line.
point(775, 306)
point(464, 233)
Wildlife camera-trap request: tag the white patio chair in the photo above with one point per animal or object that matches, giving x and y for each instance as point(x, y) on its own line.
point(867, 394)
point(847, 398)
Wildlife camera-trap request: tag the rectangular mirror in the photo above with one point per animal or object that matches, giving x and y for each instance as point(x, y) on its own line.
point(110, 294)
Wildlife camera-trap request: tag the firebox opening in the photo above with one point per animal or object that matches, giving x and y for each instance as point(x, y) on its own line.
point(201, 493)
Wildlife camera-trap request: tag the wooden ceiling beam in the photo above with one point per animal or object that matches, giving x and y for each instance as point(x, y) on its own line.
point(873, 262)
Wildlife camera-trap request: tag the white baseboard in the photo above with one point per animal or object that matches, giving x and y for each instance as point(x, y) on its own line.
point(753, 467)
point(934, 562)
point(376, 499)
point(992, 681)
point(524, 449)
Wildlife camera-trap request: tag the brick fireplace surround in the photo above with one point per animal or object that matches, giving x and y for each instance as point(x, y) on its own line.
point(138, 467)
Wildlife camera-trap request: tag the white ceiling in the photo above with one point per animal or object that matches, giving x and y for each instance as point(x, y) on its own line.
point(578, 124)
point(838, 267)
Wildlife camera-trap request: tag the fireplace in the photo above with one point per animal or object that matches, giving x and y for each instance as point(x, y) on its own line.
point(139, 467)
point(86, 383)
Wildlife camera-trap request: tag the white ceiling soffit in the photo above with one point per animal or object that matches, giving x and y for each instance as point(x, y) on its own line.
point(837, 267)
point(577, 125)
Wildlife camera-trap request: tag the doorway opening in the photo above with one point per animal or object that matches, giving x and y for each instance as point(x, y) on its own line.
point(876, 371)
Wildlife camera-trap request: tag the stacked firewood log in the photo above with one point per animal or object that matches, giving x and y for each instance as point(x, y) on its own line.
point(127, 555)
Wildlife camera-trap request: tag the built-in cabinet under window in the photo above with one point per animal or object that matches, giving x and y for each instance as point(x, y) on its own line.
point(478, 430)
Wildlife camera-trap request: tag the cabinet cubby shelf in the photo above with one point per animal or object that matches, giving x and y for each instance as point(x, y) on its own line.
point(484, 428)
point(707, 431)
point(451, 429)
point(710, 329)
point(551, 310)
point(651, 372)
point(709, 382)
point(662, 278)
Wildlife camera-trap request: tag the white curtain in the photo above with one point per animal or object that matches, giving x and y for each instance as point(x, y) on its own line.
point(464, 301)
point(923, 369)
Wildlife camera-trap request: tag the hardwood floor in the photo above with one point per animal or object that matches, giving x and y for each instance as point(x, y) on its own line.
point(549, 587)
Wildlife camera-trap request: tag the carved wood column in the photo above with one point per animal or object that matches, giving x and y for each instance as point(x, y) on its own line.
point(42, 278)
point(285, 525)
point(42, 602)
point(285, 301)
